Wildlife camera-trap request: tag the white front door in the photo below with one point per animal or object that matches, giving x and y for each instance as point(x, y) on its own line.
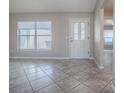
point(79, 39)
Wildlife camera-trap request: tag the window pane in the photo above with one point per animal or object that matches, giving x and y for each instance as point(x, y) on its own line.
point(30, 42)
point(76, 36)
point(43, 42)
point(26, 25)
point(44, 25)
point(108, 33)
point(82, 31)
point(108, 40)
point(27, 32)
point(23, 42)
point(43, 28)
point(108, 36)
point(43, 32)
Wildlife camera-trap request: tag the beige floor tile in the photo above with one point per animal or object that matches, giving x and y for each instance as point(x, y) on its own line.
point(95, 84)
point(74, 70)
point(82, 89)
point(32, 70)
point(36, 75)
point(94, 70)
point(62, 65)
point(67, 70)
point(51, 89)
point(72, 64)
point(23, 88)
point(47, 67)
point(68, 84)
point(105, 77)
point(83, 76)
point(52, 71)
point(108, 89)
point(41, 83)
point(18, 69)
point(58, 76)
point(29, 66)
point(18, 81)
point(15, 65)
point(16, 74)
point(73, 76)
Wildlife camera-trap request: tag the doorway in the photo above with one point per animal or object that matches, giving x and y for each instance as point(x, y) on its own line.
point(79, 38)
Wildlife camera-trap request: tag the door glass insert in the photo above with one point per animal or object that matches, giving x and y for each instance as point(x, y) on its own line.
point(79, 31)
point(82, 31)
point(76, 31)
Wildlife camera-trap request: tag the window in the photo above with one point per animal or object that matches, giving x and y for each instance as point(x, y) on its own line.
point(79, 31)
point(82, 25)
point(76, 31)
point(108, 36)
point(34, 35)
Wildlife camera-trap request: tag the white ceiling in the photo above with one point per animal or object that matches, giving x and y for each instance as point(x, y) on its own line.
point(21, 6)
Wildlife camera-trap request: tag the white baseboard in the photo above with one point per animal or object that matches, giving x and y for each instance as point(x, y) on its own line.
point(59, 58)
point(38, 57)
point(92, 58)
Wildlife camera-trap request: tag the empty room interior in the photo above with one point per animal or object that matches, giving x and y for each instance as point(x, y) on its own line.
point(61, 46)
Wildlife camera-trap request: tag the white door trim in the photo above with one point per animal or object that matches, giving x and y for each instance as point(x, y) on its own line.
point(87, 19)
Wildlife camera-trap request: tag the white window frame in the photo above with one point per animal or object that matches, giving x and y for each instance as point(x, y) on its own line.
point(35, 38)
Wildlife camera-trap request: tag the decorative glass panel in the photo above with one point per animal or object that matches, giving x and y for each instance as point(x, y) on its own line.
point(82, 31)
point(76, 36)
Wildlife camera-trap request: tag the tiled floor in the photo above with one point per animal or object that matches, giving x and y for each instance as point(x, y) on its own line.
point(58, 76)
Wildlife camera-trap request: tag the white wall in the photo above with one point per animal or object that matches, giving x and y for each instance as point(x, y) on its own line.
point(60, 29)
point(98, 33)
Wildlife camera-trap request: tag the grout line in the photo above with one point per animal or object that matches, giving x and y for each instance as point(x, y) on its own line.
point(60, 87)
point(49, 84)
point(38, 79)
point(68, 77)
point(75, 87)
point(93, 89)
point(105, 86)
point(85, 81)
point(43, 87)
point(56, 81)
point(61, 79)
point(28, 79)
